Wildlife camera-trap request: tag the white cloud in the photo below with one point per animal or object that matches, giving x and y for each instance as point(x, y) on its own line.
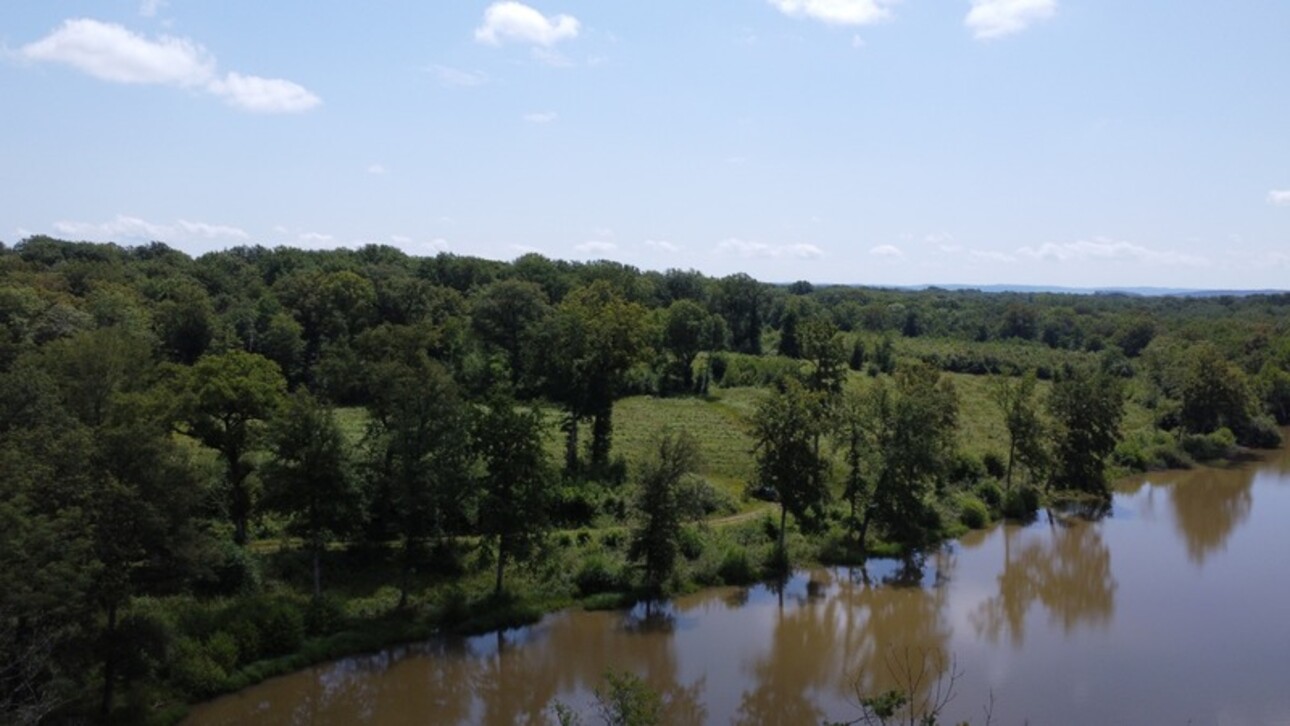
point(149, 8)
point(596, 247)
point(1107, 249)
point(994, 256)
point(110, 52)
point(749, 248)
point(802, 251)
point(376, 169)
point(438, 244)
point(264, 95)
point(516, 22)
point(886, 251)
point(1279, 197)
point(400, 239)
point(662, 245)
point(130, 229)
point(541, 117)
point(996, 18)
point(212, 231)
point(314, 237)
point(836, 12)
point(456, 77)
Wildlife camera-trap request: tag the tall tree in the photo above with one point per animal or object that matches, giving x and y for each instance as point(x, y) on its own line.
point(1016, 399)
point(308, 479)
point(742, 302)
point(688, 329)
point(915, 427)
point(419, 441)
point(588, 345)
point(226, 400)
point(1214, 393)
point(515, 491)
point(1087, 407)
point(504, 313)
point(783, 428)
point(655, 538)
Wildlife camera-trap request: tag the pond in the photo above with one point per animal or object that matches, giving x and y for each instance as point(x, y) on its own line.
point(1173, 609)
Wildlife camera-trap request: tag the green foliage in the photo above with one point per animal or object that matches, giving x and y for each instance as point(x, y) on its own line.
point(143, 418)
point(973, 513)
point(515, 489)
point(1087, 408)
point(914, 424)
point(625, 700)
point(599, 573)
point(784, 427)
point(655, 538)
point(1021, 503)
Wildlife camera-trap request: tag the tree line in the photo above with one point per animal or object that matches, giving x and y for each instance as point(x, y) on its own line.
point(156, 410)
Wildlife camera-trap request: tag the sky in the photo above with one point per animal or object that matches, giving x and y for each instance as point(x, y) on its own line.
point(1088, 143)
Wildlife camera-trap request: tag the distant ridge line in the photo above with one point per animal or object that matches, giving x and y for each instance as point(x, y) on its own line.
point(1059, 290)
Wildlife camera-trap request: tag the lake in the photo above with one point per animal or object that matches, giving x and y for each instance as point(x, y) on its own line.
point(1171, 610)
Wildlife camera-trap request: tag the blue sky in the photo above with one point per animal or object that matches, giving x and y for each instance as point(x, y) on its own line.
point(1056, 142)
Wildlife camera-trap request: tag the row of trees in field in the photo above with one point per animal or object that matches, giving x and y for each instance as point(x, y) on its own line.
point(161, 415)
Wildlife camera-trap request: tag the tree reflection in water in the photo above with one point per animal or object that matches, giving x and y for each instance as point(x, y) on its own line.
point(1065, 567)
point(840, 634)
point(1208, 505)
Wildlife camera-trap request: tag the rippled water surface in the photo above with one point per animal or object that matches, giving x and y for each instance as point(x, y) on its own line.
point(1174, 610)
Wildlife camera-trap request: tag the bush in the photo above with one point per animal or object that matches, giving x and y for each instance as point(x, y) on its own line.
point(700, 499)
point(990, 493)
point(194, 671)
point(1220, 444)
point(237, 572)
point(691, 543)
point(973, 512)
point(1021, 503)
point(736, 568)
point(966, 469)
point(994, 464)
point(325, 615)
point(1260, 432)
point(597, 574)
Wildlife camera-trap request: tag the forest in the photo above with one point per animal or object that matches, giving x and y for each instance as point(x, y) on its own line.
point(218, 469)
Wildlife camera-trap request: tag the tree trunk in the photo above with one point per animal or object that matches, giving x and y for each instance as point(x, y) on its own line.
point(602, 431)
point(317, 571)
point(1012, 449)
point(687, 374)
point(501, 564)
point(783, 524)
point(109, 663)
point(571, 444)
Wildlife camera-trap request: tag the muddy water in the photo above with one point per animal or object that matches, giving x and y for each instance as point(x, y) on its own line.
point(1173, 610)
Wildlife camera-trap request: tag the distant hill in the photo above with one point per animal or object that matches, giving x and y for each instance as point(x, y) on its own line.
point(1053, 289)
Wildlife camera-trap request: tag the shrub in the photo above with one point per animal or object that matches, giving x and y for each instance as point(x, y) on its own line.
point(966, 469)
point(597, 574)
point(1021, 503)
point(994, 464)
point(194, 671)
point(1260, 432)
point(700, 499)
point(973, 512)
point(691, 543)
point(990, 493)
point(1207, 447)
point(736, 568)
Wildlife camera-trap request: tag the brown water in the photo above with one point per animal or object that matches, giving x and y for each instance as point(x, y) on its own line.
point(1173, 610)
